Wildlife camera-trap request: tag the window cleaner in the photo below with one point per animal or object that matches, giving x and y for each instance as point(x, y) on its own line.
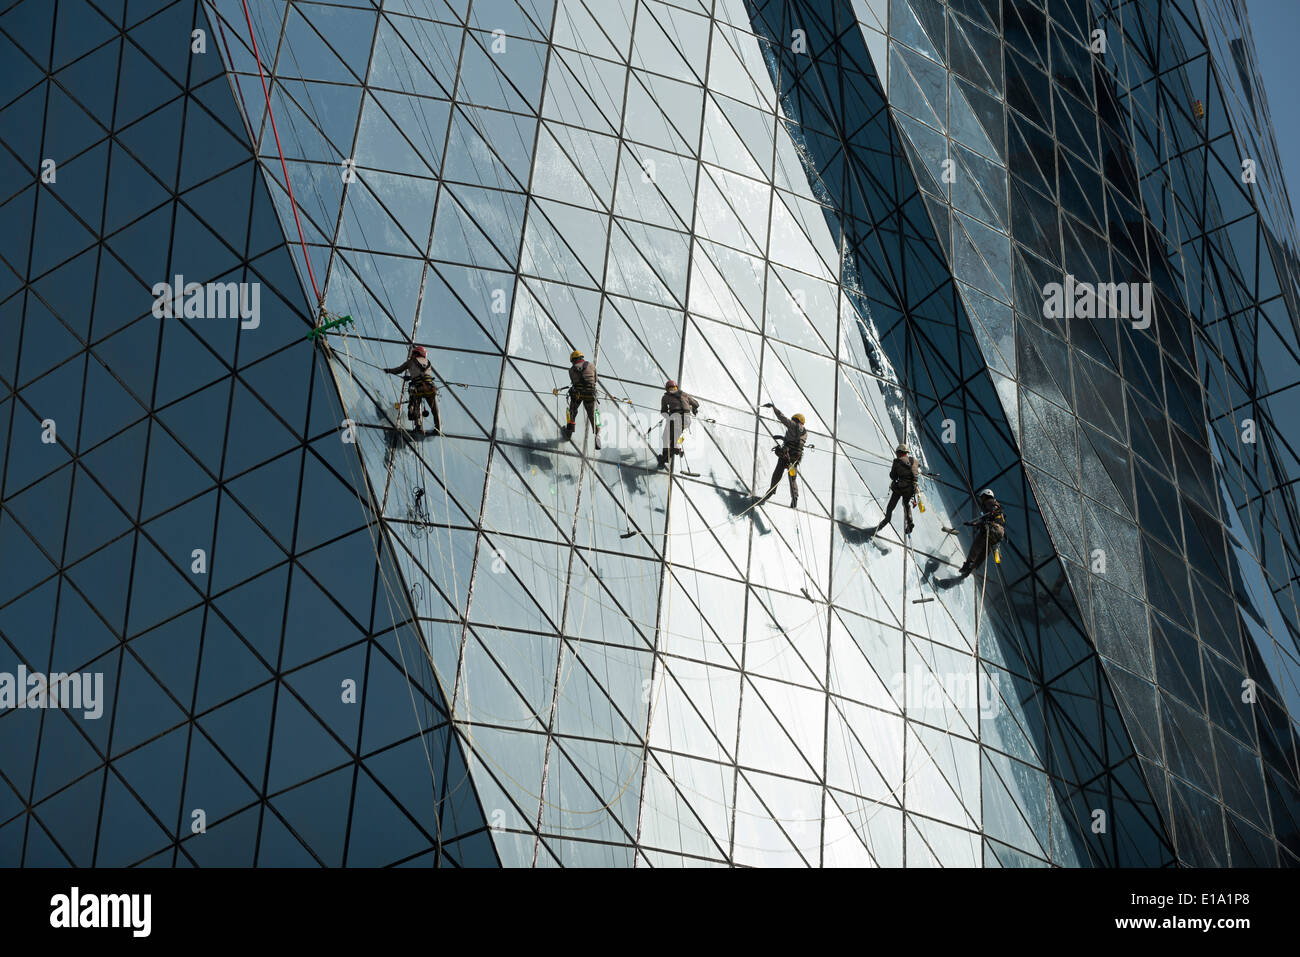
point(582, 390)
point(789, 451)
point(991, 529)
point(904, 473)
point(421, 388)
point(678, 409)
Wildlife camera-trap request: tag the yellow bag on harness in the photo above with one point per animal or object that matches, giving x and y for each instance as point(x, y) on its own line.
point(792, 471)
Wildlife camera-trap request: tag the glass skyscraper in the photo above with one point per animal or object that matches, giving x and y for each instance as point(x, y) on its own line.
point(320, 638)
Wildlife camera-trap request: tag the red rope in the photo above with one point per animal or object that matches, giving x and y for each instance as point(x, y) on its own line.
point(289, 186)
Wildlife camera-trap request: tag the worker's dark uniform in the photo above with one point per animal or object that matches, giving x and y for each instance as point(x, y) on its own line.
point(582, 390)
point(788, 454)
point(420, 389)
point(677, 408)
point(902, 487)
point(990, 529)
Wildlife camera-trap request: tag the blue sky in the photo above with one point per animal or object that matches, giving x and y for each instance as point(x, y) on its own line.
point(1276, 26)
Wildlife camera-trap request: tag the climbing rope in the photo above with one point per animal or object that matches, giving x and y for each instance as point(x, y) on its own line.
point(302, 240)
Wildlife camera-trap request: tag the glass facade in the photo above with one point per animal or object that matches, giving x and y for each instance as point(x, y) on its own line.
point(224, 708)
point(560, 655)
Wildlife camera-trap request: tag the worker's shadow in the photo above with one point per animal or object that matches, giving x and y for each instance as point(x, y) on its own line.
point(856, 534)
point(539, 454)
point(532, 453)
point(635, 477)
point(740, 501)
point(398, 436)
point(931, 566)
point(633, 472)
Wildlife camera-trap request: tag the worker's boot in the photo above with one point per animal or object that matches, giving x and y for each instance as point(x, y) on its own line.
point(596, 435)
point(663, 457)
point(907, 529)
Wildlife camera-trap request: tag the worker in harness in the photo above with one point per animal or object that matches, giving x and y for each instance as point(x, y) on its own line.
point(677, 408)
point(421, 388)
point(788, 453)
point(582, 390)
point(991, 529)
point(903, 475)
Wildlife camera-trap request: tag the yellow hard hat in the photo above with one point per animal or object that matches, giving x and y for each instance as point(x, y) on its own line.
point(575, 354)
point(798, 417)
